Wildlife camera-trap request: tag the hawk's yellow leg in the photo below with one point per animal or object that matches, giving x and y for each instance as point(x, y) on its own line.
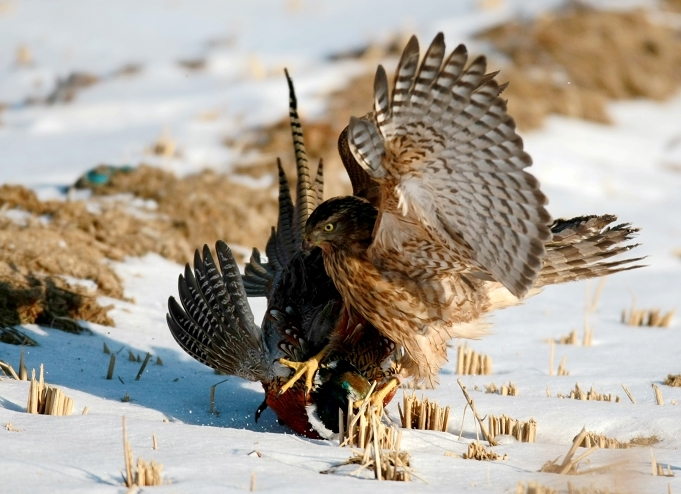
point(308, 368)
point(378, 397)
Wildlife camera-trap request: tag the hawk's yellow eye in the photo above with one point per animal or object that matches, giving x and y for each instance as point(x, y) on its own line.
point(328, 227)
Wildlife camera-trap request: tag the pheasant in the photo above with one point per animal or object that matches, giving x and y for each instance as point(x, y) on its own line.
point(214, 323)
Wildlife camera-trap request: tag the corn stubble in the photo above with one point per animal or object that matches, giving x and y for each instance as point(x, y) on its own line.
point(423, 414)
point(142, 474)
point(469, 362)
point(525, 432)
point(571, 464)
point(47, 400)
point(579, 394)
point(362, 427)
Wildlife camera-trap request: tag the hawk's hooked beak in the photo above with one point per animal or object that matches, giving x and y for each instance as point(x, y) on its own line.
point(308, 244)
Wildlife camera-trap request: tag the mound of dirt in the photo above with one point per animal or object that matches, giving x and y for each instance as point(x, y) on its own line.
point(573, 61)
point(46, 300)
point(47, 246)
point(196, 209)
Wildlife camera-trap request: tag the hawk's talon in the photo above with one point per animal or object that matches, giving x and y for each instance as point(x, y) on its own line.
point(309, 368)
point(378, 397)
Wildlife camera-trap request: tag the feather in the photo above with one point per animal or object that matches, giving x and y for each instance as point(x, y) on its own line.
point(305, 199)
point(446, 132)
point(214, 324)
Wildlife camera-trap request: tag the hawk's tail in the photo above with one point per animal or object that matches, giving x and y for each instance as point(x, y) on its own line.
point(582, 247)
point(214, 323)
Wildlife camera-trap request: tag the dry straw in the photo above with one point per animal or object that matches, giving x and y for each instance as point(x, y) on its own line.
point(658, 395)
point(570, 339)
point(23, 372)
point(626, 390)
point(570, 464)
point(533, 488)
point(10, 428)
point(469, 362)
point(579, 394)
point(562, 371)
point(657, 469)
point(355, 425)
point(647, 317)
point(212, 408)
point(8, 370)
point(525, 432)
point(362, 427)
point(602, 54)
point(504, 390)
point(644, 441)
point(592, 439)
point(423, 414)
point(47, 400)
point(477, 451)
point(470, 403)
point(589, 489)
point(12, 336)
point(142, 474)
point(112, 364)
point(590, 306)
point(673, 380)
point(144, 365)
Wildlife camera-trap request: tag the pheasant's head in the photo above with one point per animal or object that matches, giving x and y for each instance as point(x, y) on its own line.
point(336, 384)
point(341, 222)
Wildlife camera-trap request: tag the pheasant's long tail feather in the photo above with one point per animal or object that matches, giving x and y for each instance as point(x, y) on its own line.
point(582, 248)
point(306, 197)
point(214, 323)
point(286, 239)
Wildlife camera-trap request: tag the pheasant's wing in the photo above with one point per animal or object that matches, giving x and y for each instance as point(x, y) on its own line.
point(450, 167)
point(214, 323)
point(283, 244)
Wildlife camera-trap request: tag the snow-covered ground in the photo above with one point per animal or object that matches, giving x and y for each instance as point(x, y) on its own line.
point(632, 169)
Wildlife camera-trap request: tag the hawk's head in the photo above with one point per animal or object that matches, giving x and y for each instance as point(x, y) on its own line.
point(341, 222)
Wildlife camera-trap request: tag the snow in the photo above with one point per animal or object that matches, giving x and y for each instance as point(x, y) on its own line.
point(630, 168)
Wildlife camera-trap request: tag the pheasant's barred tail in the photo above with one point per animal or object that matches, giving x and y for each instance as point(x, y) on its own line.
point(286, 240)
point(214, 323)
point(582, 247)
point(306, 197)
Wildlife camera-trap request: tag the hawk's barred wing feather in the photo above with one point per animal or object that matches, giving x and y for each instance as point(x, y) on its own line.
point(580, 247)
point(450, 167)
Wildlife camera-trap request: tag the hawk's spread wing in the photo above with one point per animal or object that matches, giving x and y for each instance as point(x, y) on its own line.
point(454, 195)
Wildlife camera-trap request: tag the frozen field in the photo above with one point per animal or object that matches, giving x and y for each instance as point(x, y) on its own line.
point(631, 168)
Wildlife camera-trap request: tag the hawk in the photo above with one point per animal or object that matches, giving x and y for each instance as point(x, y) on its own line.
point(449, 225)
